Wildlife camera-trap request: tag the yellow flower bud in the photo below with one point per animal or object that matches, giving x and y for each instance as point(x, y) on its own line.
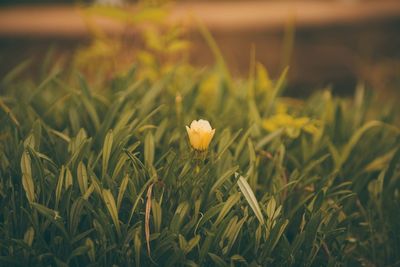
point(200, 134)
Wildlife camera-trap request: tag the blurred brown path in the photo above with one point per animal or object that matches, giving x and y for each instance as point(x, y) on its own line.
point(67, 21)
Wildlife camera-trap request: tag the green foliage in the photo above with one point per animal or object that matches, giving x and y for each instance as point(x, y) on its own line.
point(107, 176)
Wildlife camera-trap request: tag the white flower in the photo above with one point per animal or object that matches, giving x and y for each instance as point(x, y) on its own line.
point(200, 134)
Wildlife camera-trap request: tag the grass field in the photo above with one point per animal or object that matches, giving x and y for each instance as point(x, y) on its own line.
point(103, 173)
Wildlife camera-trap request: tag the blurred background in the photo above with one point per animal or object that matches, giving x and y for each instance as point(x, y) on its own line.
point(337, 44)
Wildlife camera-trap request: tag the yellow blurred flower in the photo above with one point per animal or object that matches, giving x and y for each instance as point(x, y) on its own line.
point(292, 126)
point(200, 134)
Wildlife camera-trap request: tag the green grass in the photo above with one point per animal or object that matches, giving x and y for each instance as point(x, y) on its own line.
point(106, 175)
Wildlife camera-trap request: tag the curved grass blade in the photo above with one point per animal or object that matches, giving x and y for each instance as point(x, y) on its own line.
point(108, 142)
point(27, 180)
point(147, 218)
point(112, 208)
point(250, 197)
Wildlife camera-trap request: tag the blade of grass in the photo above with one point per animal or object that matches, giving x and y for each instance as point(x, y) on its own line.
point(250, 198)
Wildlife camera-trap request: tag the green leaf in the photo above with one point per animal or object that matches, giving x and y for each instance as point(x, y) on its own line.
point(354, 140)
point(157, 215)
point(61, 135)
point(268, 138)
point(53, 216)
point(78, 252)
point(277, 90)
point(68, 178)
point(380, 162)
point(84, 86)
point(232, 233)
point(91, 249)
point(17, 71)
point(122, 160)
point(107, 146)
point(29, 235)
point(217, 260)
point(109, 200)
point(250, 198)
point(27, 180)
point(230, 202)
point(9, 112)
point(91, 110)
point(191, 244)
point(149, 149)
point(178, 217)
point(221, 180)
point(122, 188)
point(89, 192)
point(242, 142)
point(227, 144)
point(59, 186)
point(82, 177)
point(138, 198)
point(137, 244)
point(276, 235)
point(271, 208)
point(75, 215)
point(209, 214)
